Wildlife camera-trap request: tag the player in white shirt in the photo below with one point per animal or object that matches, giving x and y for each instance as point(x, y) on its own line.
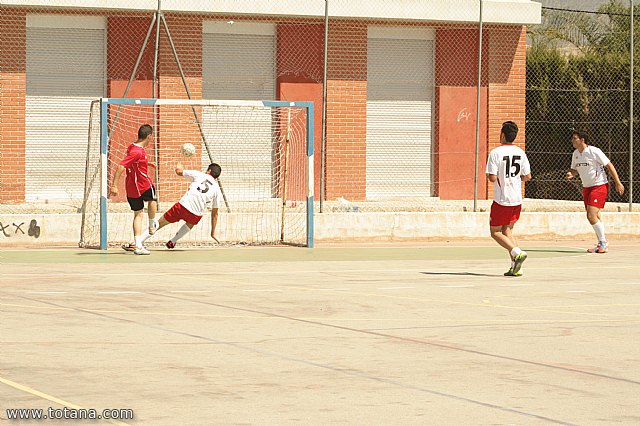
point(203, 189)
point(590, 163)
point(507, 167)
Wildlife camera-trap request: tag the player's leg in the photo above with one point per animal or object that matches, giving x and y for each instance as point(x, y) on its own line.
point(184, 230)
point(160, 224)
point(152, 209)
point(595, 201)
point(137, 233)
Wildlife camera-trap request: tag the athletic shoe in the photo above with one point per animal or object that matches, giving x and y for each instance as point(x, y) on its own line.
point(153, 227)
point(518, 261)
point(129, 247)
point(510, 273)
point(170, 244)
point(141, 251)
point(599, 248)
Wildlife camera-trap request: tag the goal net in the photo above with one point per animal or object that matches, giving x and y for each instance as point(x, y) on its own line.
point(265, 150)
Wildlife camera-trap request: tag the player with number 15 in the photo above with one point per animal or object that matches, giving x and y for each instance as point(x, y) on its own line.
point(507, 167)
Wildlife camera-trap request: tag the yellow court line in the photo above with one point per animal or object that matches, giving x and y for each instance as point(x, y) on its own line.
point(52, 398)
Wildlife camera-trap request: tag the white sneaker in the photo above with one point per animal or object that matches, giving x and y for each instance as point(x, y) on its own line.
point(141, 250)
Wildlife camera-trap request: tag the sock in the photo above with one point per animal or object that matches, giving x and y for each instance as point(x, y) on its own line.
point(515, 251)
point(184, 230)
point(138, 240)
point(145, 236)
point(152, 222)
point(599, 228)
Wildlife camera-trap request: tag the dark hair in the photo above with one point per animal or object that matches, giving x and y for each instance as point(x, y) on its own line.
point(582, 135)
point(144, 131)
point(510, 130)
point(214, 170)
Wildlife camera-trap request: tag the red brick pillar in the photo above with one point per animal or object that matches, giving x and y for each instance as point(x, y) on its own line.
point(346, 149)
point(13, 92)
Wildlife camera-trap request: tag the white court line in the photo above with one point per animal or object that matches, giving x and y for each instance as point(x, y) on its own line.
point(190, 291)
point(274, 290)
point(48, 292)
point(456, 286)
point(119, 292)
point(330, 289)
point(392, 288)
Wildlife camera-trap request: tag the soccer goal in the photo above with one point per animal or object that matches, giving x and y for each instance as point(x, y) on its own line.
point(265, 149)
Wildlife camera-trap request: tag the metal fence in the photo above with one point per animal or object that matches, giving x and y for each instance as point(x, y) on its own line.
point(396, 98)
point(579, 77)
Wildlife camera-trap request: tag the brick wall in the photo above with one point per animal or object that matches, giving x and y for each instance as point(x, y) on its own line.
point(507, 84)
point(346, 171)
point(13, 90)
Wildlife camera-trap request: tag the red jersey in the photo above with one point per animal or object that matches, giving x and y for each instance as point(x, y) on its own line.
point(137, 180)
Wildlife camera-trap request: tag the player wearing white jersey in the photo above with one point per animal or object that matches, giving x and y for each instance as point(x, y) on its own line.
point(507, 167)
point(590, 163)
point(203, 189)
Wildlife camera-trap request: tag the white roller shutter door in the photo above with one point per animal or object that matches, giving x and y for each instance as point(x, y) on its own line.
point(238, 63)
point(400, 95)
point(65, 72)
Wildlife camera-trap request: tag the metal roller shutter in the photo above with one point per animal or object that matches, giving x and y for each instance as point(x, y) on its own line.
point(238, 63)
point(400, 94)
point(65, 72)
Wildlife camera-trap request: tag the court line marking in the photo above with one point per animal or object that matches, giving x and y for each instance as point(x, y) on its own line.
point(393, 288)
point(428, 320)
point(340, 370)
point(456, 286)
point(51, 398)
point(440, 344)
point(330, 289)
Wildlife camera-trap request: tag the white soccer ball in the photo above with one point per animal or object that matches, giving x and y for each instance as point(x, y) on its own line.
point(188, 149)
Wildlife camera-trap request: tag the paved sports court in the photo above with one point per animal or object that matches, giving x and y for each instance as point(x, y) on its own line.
point(333, 335)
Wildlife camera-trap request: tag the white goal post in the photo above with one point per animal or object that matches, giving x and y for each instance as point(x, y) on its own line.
point(265, 149)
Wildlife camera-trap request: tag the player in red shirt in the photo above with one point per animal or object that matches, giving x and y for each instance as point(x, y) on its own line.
point(139, 187)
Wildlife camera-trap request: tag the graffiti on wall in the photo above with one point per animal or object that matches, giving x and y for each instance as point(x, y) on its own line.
point(9, 230)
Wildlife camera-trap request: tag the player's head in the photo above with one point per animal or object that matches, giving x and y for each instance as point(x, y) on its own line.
point(214, 170)
point(510, 131)
point(144, 132)
point(579, 137)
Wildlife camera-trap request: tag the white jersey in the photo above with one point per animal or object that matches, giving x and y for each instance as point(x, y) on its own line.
point(590, 163)
point(508, 162)
point(203, 189)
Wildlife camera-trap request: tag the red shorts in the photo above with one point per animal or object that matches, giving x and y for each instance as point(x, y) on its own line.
point(595, 195)
point(179, 212)
point(504, 215)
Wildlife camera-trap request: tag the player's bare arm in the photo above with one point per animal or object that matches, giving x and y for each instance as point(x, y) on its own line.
point(526, 178)
point(614, 174)
point(492, 178)
point(179, 169)
point(214, 222)
point(116, 177)
point(571, 174)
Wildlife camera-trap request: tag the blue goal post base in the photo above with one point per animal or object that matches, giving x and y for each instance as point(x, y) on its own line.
point(104, 143)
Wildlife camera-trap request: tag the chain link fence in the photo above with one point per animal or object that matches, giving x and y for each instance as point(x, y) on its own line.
point(578, 77)
point(400, 111)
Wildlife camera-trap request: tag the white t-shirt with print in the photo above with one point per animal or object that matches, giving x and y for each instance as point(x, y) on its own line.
point(508, 162)
point(202, 190)
point(590, 164)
